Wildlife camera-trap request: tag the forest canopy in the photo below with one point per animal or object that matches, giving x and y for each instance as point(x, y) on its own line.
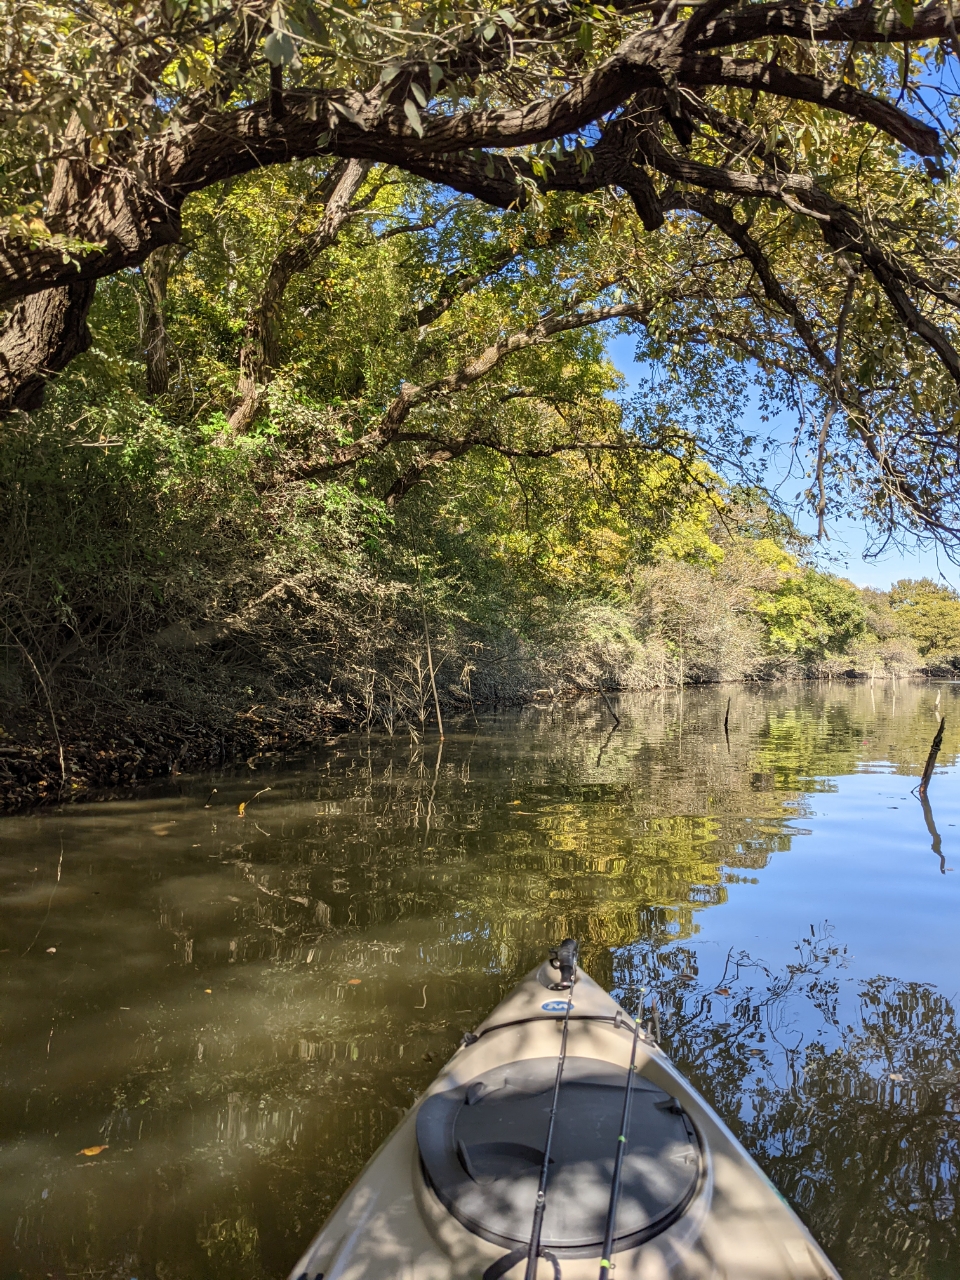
point(771, 183)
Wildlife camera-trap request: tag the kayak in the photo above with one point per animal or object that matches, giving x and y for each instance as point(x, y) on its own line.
point(560, 1143)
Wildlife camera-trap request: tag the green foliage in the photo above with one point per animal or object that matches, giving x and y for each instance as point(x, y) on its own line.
point(930, 614)
point(573, 538)
point(811, 614)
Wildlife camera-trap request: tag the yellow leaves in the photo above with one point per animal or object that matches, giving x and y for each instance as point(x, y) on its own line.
point(806, 142)
point(242, 808)
point(28, 77)
point(93, 1151)
point(768, 553)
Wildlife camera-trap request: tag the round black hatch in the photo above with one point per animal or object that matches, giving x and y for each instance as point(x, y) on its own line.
point(481, 1148)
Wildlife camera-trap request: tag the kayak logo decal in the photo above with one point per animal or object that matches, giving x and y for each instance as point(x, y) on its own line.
point(555, 1006)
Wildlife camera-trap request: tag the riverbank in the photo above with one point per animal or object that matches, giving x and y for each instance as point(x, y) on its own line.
point(98, 762)
point(101, 761)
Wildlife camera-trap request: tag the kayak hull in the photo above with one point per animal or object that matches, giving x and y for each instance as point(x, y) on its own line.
point(391, 1225)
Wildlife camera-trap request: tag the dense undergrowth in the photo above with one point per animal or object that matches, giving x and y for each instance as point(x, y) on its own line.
point(189, 573)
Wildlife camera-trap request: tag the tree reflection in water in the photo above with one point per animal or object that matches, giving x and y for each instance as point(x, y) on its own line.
point(240, 1009)
point(855, 1118)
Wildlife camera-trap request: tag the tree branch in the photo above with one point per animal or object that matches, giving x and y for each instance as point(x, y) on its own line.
point(259, 354)
point(411, 397)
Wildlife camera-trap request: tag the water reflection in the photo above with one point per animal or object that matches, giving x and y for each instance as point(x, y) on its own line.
point(936, 843)
point(856, 1121)
point(238, 1008)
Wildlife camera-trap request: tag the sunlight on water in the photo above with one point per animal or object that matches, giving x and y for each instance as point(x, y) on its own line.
point(210, 1020)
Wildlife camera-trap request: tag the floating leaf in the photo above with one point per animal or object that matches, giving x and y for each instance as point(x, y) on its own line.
point(241, 807)
point(92, 1151)
point(354, 982)
point(51, 951)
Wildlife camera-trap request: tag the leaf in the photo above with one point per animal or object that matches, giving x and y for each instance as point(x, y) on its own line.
point(347, 112)
point(28, 77)
point(489, 31)
point(413, 115)
point(418, 93)
point(241, 807)
point(905, 9)
point(279, 49)
point(92, 1151)
point(51, 951)
point(354, 982)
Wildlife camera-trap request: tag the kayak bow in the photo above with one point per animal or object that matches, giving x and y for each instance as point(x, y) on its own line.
point(560, 1141)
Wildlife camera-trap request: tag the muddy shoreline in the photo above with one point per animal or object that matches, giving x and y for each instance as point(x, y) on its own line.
point(97, 762)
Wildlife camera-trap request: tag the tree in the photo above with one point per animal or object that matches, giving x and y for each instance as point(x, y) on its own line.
point(930, 613)
point(770, 129)
point(810, 613)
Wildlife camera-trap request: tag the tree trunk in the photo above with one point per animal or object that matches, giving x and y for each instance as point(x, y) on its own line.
point(43, 332)
point(156, 273)
point(260, 353)
point(41, 335)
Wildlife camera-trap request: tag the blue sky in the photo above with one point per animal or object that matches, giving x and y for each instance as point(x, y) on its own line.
point(843, 554)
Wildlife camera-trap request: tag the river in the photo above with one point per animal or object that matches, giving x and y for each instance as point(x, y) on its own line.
point(211, 1017)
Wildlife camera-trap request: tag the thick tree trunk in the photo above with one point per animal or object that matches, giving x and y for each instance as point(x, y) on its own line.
point(40, 336)
point(156, 273)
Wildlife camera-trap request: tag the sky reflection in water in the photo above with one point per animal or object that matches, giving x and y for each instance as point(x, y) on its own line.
point(181, 984)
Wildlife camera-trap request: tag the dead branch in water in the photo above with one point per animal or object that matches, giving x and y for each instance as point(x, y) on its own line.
point(931, 759)
point(603, 695)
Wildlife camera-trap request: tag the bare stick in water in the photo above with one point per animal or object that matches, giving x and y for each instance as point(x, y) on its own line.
point(726, 724)
point(931, 758)
point(603, 695)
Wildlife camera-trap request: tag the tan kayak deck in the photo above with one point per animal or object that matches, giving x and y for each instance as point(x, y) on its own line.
point(391, 1226)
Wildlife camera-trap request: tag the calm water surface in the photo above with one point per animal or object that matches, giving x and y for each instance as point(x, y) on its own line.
point(210, 1020)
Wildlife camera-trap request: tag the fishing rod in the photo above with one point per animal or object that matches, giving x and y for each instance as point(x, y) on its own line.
point(566, 961)
point(621, 1152)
